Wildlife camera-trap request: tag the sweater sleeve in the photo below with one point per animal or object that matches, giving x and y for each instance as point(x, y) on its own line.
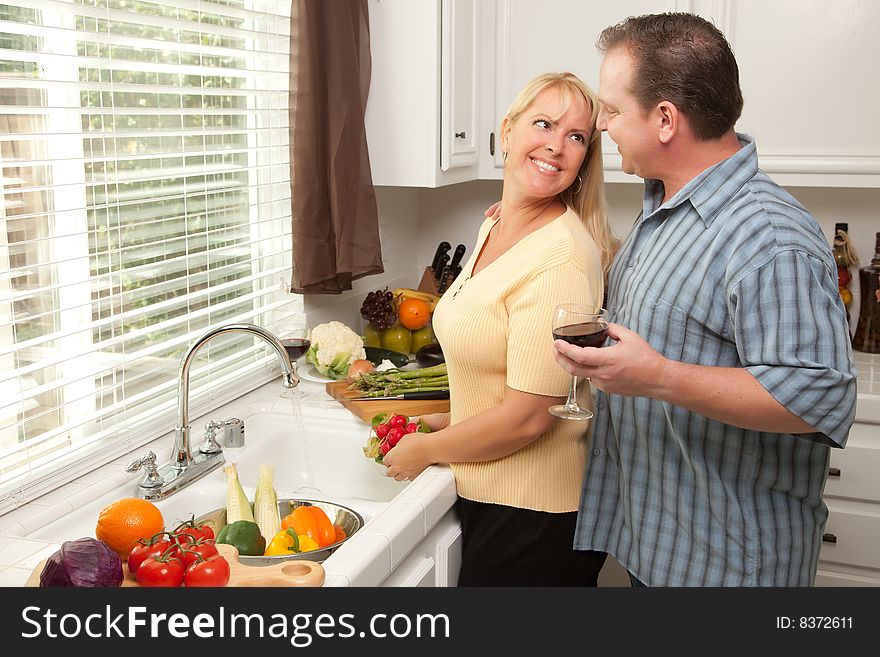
point(531, 366)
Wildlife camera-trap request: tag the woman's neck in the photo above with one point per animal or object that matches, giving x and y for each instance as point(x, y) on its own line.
point(518, 215)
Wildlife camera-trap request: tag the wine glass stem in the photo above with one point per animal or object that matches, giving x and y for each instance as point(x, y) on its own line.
point(571, 403)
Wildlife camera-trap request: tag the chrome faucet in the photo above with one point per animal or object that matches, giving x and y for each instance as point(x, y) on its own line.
point(185, 467)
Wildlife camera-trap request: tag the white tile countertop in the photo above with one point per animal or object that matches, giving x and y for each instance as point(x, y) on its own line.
point(364, 560)
point(367, 558)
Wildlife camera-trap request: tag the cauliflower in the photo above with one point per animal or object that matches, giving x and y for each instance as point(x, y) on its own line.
point(334, 348)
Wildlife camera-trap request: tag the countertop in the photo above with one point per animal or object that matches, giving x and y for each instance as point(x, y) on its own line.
point(372, 553)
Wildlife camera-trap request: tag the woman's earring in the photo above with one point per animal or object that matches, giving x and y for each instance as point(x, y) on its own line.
point(580, 184)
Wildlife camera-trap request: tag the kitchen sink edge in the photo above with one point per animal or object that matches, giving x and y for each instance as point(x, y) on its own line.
point(393, 527)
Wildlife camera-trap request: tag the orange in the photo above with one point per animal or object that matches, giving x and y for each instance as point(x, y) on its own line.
point(414, 314)
point(124, 522)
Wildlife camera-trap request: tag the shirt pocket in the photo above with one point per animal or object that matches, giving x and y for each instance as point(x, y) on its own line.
point(662, 324)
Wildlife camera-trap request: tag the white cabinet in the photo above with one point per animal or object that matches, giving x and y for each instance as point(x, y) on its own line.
point(435, 561)
point(422, 112)
point(850, 554)
point(808, 70)
point(554, 36)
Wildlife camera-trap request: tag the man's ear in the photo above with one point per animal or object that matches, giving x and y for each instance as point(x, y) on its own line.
point(505, 134)
point(668, 121)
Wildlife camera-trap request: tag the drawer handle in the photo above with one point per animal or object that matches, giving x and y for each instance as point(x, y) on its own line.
point(829, 538)
point(833, 472)
point(461, 135)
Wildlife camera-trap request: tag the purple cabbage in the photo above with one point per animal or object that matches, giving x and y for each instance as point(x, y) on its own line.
point(85, 562)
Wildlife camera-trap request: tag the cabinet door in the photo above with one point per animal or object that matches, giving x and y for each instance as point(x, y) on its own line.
point(556, 36)
point(459, 79)
point(809, 72)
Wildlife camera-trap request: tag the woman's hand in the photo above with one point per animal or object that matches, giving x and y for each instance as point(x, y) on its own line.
point(408, 458)
point(436, 421)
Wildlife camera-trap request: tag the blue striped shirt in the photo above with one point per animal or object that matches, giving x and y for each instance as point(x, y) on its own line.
point(733, 272)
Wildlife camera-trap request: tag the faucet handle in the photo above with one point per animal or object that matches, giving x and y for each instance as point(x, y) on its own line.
point(232, 435)
point(151, 477)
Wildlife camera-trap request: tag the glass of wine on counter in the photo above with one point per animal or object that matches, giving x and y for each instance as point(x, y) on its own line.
point(583, 326)
point(293, 333)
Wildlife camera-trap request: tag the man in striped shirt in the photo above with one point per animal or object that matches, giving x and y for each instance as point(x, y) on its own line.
point(730, 374)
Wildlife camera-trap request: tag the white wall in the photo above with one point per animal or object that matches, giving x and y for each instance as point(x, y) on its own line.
point(413, 221)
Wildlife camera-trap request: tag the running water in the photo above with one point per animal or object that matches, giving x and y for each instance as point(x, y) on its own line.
point(308, 489)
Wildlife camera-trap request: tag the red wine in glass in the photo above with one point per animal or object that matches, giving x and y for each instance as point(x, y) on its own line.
point(583, 334)
point(296, 347)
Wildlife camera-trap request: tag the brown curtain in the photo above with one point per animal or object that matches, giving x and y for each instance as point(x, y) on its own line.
point(335, 222)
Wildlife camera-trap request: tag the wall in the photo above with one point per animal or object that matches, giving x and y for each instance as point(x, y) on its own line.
point(398, 234)
point(413, 221)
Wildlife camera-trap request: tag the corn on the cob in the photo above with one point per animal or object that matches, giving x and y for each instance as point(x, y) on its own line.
point(266, 503)
point(237, 505)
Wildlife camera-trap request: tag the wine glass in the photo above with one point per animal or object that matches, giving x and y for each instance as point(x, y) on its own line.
point(293, 333)
point(582, 325)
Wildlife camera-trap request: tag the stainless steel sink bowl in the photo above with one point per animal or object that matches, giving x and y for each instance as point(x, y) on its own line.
point(349, 519)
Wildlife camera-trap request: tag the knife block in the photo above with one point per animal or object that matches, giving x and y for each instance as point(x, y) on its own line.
point(428, 283)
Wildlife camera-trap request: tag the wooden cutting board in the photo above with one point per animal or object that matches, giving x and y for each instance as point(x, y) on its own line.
point(366, 409)
point(297, 572)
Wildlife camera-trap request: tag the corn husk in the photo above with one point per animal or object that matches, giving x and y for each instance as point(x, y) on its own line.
point(266, 503)
point(237, 505)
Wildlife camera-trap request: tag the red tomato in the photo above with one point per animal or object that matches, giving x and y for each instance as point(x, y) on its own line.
point(201, 547)
point(382, 430)
point(397, 421)
point(213, 571)
point(160, 571)
point(140, 552)
point(189, 528)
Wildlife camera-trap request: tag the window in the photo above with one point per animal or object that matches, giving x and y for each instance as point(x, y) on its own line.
point(146, 199)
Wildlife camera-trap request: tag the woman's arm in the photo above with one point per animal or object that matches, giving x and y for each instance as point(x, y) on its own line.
point(520, 419)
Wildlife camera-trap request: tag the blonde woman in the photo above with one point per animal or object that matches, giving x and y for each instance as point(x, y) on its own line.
point(518, 469)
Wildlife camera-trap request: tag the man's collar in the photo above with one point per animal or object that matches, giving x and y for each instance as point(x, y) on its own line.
point(704, 192)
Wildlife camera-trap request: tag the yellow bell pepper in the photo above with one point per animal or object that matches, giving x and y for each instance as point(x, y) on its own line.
point(287, 542)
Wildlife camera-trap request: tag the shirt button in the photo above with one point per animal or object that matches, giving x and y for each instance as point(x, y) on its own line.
point(597, 452)
point(601, 406)
point(631, 263)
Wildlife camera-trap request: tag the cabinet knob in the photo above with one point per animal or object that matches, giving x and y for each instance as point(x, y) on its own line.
point(829, 538)
point(461, 135)
point(833, 472)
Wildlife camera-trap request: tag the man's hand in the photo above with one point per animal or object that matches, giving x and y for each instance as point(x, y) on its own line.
point(631, 367)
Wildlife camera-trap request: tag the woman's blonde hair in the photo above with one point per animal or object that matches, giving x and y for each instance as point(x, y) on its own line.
point(586, 195)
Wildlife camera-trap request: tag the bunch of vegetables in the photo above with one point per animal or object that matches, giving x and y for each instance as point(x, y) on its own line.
point(397, 381)
point(334, 347)
point(262, 532)
point(186, 556)
point(386, 432)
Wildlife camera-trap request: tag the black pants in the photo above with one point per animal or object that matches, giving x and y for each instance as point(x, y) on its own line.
point(506, 546)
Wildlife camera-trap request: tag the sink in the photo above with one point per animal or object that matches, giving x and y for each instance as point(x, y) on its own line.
point(327, 465)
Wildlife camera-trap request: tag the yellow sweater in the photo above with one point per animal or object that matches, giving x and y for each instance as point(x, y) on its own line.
point(495, 328)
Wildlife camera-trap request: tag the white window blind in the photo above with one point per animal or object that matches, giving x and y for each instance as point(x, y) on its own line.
point(145, 200)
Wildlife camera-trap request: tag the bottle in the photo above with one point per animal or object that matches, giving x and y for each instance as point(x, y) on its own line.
point(867, 337)
point(845, 256)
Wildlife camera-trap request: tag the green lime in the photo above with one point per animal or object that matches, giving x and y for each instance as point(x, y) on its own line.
point(397, 338)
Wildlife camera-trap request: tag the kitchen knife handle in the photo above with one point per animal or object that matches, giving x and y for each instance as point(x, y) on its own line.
point(441, 265)
point(457, 256)
point(442, 248)
point(444, 280)
point(426, 394)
